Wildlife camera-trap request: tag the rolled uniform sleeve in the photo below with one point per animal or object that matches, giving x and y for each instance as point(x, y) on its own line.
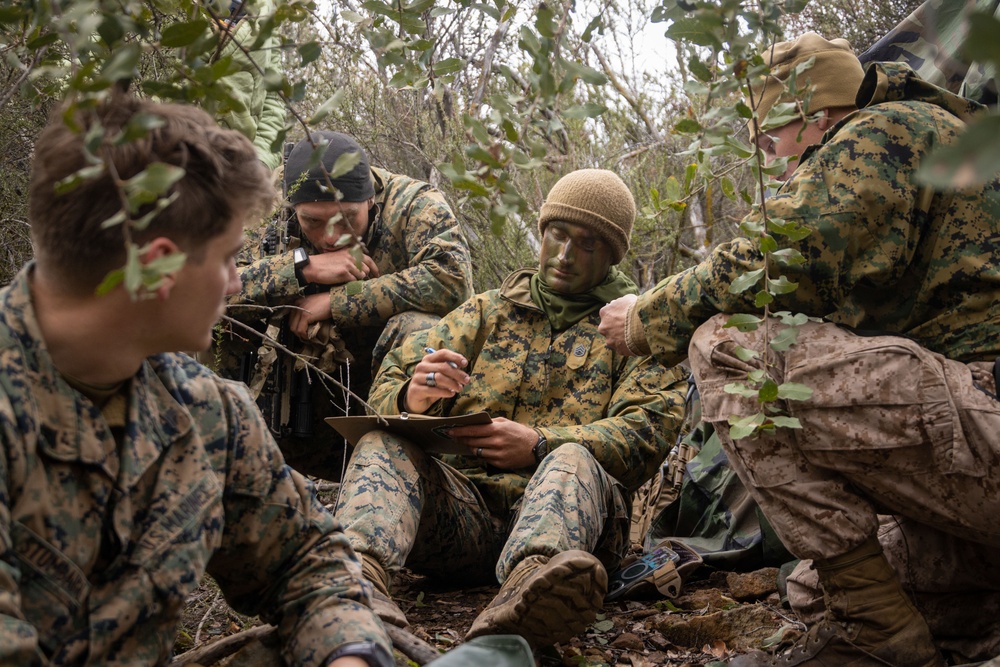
point(858, 197)
point(461, 331)
point(283, 555)
point(267, 280)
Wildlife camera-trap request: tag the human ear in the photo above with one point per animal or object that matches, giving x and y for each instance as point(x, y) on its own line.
point(158, 249)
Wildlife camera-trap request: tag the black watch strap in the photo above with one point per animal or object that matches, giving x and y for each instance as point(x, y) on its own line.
point(541, 448)
point(300, 260)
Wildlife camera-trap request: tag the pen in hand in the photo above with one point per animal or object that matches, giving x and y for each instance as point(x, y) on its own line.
point(431, 350)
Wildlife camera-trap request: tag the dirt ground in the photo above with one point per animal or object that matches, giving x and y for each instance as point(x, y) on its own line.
point(716, 617)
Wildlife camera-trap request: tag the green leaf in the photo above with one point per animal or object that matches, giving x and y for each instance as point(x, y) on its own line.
point(768, 391)
point(744, 322)
point(121, 65)
point(762, 299)
point(740, 389)
point(585, 73)
point(796, 320)
point(591, 27)
point(156, 270)
point(687, 126)
point(449, 66)
point(352, 17)
point(671, 190)
point(148, 185)
point(112, 280)
point(138, 126)
point(788, 257)
point(745, 354)
point(781, 285)
point(476, 152)
point(742, 428)
point(790, 229)
point(794, 391)
point(74, 180)
point(700, 30)
point(743, 110)
point(588, 110)
point(345, 162)
point(972, 160)
point(981, 43)
point(11, 14)
point(177, 35)
point(328, 106)
point(133, 270)
point(699, 69)
point(728, 189)
point(745, 281)
point(786, 422)
point(42, 41)
point(543, 21)
point(768, 243)
point(309, 52)
point(784, 340)
point(144, 221)
point(603, 626)
point(117, 219)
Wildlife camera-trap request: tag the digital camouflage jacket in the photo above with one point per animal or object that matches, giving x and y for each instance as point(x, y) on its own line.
point(421, 254)
point(885, 252)
point(103, 543)
point(569, 385)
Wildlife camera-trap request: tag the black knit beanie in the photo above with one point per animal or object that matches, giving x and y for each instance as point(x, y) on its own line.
point(305, 184)
point(597, 199)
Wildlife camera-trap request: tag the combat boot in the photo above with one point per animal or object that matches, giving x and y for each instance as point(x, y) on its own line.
point(545, 600)
point(869, 620)
point(382, 603)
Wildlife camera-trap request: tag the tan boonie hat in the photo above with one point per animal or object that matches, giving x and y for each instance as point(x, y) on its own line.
point(597, 199)
point(834, 77)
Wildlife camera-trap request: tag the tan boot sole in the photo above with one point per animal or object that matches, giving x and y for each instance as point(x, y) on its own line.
point(552, 605)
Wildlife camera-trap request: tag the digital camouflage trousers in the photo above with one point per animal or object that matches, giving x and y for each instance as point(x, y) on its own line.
point(890, 428)
point(402, 506)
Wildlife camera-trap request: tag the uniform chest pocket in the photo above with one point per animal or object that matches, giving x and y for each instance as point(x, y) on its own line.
point(54, 591)
point(577, 353)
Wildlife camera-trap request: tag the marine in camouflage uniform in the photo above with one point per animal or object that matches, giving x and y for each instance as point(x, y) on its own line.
point(416, 267)
point(128, 471)
point(590, 427)
point(902, 423)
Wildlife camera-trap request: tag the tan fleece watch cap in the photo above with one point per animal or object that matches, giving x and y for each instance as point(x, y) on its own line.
point(599, 200)
point(835, 76)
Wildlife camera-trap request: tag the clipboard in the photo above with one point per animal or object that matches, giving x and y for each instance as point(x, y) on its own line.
point(428, 432)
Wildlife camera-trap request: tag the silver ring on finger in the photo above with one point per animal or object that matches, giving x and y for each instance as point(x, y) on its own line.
point(479, 452)
point(430, 381)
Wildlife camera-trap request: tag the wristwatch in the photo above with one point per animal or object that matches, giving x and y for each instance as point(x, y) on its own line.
point(300, 260)
point(541, 448)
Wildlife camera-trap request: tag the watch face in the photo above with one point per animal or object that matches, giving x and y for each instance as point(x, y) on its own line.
point(539, 449)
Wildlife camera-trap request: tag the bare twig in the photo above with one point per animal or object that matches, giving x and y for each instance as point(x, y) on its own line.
point(208, 612)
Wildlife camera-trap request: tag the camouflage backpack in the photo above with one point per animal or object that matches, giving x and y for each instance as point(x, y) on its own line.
point(702, 504)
